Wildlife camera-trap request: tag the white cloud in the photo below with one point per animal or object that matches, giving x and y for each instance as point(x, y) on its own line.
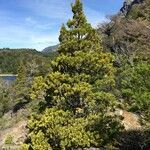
point(39, 25)
point(54, 9)
point(39, 28)
point(30, 20)
point(44, 39)
point(94, 17)
point(24, 38)
point(60, 10)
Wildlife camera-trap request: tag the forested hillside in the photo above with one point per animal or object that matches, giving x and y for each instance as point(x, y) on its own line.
point(128, 32)
point(127, 37)
point(10, 59)
point(93, 94)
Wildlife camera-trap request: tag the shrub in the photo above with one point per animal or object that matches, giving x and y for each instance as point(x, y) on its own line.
point(9, 139)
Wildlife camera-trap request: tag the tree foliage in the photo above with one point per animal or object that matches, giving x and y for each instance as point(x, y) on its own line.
point(6, 101)
point(135, 86)
point(77, 93)
point(128, 38)
point(10, 60)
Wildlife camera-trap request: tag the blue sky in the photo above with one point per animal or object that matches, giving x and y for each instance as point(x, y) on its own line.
point(36, 23)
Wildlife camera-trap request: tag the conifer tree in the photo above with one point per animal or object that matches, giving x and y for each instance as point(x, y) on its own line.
point(21, 87)
point(77, 91)
point(78, 35)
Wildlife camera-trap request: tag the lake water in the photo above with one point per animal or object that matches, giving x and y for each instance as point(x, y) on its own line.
point(8, 78)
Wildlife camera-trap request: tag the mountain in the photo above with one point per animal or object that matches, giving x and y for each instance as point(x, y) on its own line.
point(50, 49)
point(128, 4)
point(128, 32)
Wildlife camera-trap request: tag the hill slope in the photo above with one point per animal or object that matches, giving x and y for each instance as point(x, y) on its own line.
point(10, 59)
point(128, 32)
point(50, 49)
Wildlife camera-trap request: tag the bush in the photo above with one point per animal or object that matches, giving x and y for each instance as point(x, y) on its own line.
point(9, 139)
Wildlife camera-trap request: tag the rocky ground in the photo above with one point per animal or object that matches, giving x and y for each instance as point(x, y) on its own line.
point(18, 131)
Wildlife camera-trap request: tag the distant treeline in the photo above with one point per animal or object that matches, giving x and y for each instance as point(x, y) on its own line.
point(10, 59)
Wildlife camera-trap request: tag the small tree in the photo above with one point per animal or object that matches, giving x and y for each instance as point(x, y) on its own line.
point(135, 87)
point(77, 91)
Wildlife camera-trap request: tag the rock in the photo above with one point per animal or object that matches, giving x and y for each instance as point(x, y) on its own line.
point(127, 5)
point(18, 132)
point(50, 49)
point(131, 121)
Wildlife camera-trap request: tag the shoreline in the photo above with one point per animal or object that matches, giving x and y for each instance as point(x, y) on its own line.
point(8, 75)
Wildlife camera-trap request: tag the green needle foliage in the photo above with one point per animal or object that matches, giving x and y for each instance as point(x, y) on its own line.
point(135, 86)
point(77, 94)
